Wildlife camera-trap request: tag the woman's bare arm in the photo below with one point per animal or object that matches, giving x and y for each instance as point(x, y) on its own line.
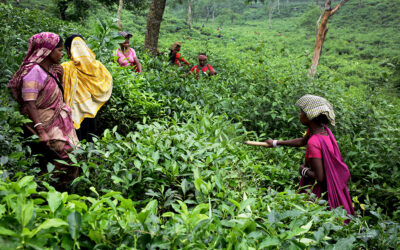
point(316, 170)
point(34, 116)
point(298, 142)
point(138, 64)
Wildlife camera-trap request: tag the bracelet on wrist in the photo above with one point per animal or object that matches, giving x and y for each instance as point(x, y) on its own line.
point(304, 172)
point(37, 124)
point(275, 144)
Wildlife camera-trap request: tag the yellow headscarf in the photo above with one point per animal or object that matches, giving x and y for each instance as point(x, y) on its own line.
point(87, 83)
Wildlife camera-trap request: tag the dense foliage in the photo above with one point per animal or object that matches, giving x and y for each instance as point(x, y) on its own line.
point(168, 169)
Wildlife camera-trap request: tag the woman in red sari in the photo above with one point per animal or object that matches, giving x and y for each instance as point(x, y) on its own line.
point(324, 169)
point(37, 87)
point(175, 57)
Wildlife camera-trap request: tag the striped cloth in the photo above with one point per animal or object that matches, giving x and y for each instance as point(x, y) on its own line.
point(87, 83)
point(314, 106)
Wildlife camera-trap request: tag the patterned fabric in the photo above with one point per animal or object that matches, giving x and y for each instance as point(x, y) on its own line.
point(202, 57)
point(125, 34)
point(33, 83)
point(87, 83)
point(53, 113)
point(314, 106)
point(40, 46)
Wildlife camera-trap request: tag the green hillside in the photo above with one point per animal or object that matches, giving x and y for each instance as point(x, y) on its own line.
point(167, 169)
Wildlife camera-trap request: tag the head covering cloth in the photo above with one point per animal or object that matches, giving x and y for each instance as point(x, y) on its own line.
point(87, 82)
point(313, 106)
point(202, 57)
point(40, 46)
point(125, 35)
point(176, 44)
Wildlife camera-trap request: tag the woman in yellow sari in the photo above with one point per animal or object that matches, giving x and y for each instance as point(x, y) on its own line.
point(87, 85)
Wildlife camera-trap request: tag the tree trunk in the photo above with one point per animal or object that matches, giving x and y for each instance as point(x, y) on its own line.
point(323, 29)
point(213, 13)
point(318, 21)
point(279, 6)
point(62, 7)
point(270, 16)
point(154, 19)
point(189, 13)
point(359, 3)
point(121, 4)
point(208, 13)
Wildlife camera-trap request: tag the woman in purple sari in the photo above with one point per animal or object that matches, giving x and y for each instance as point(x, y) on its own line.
point(324, 169)
point(36, 86)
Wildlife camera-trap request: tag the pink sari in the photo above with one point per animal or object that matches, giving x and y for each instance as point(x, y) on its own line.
point(337, 175)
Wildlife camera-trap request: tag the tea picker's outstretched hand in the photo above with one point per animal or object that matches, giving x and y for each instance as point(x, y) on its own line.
point(256, 143)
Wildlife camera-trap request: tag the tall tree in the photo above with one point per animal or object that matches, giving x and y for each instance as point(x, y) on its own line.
point(279, 6)
point(121, 4)
point(154, 19)
point(323, 29)
point(189, 13)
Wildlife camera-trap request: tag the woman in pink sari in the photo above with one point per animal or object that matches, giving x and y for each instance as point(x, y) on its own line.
point(36, 86)
point(126, 55)
point(324, 169)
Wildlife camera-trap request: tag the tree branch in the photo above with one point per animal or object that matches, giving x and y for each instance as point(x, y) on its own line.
point(328, 5)
point(319, 20)
point(338, 6)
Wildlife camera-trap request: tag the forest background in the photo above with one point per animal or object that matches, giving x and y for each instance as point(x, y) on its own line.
point(168, 169)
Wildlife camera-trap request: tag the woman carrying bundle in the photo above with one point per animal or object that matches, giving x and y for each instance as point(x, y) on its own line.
point(324, 164)
point(37, 87)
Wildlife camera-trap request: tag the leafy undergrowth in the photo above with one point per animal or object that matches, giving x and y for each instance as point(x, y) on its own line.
point(169, 170)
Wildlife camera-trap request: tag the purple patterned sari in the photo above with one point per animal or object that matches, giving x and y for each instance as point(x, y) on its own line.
point(32, 83)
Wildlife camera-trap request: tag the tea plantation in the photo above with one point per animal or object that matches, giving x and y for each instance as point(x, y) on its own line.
point(167, 169)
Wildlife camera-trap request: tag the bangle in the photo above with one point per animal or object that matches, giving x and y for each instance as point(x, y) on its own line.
point(304, 172)
point(37, 124)
point(275, 144)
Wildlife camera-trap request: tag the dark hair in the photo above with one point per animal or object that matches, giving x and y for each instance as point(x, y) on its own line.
point(321, 119)
point(202, 54)
point(69, 39)
point(59, 44)
point(172, 56)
